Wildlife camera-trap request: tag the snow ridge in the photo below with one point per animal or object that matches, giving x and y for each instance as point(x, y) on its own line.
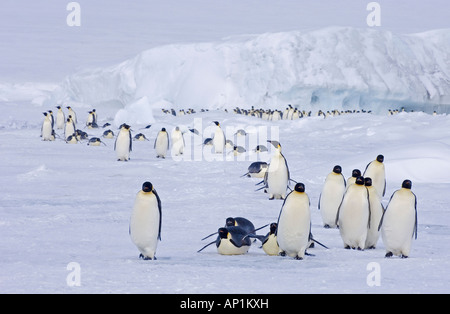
point(330, 68)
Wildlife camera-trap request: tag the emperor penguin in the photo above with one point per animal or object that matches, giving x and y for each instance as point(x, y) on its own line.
point(241, 222)
point(47, 129)
point(353, 215)
point(376, 212)
point(90, 119)
point(145, 221)
point(60, 118)
point(95, 141)
point(375, 170)
point(355, 173)
point(108, 134)
point(69, 127)
point(177, 142)
point(161, 143)
point(331, 197)
point(218, 139)
point(72, 113)
point(257, 169)
point(399, 222)
point(269, 241)
point(52, 118)
point(231, 240)
point(277, 175)
point(123, 143)
point(294, 223)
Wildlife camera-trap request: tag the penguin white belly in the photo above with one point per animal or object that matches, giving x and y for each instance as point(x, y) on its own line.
point(60, 120)
point(354, 218)
point(294, 226)
point(330, 199)
point(227, 248)
point(161, 145)
point(219, 141)
point(398, 224)
point(271, 247)
point(123, 146)
point(69, 129)
point(47, 131)
point(177, 144)
point(144, 225)
point(277, 178)
point(376, 212)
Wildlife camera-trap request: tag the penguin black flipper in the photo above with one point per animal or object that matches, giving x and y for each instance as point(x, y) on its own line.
point(215, 241)
point(415, 223)
point(160, 213)
point(131, 141)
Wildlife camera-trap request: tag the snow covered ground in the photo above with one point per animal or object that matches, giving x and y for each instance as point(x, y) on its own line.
point(65, 203)
point(62, 204)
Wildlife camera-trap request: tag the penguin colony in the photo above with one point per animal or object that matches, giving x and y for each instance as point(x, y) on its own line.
point(353, 206)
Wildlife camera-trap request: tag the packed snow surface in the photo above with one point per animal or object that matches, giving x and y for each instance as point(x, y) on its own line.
point(71, 203)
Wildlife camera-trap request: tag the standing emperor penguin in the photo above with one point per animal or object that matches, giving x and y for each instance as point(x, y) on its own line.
point(355, 173)
point(376, 212)
point(399, 222)
point(47, 129)
point(218, 139)
point(72, 113)
point(294, 223)
point(277, 174)
point(177, 142)
point(331, 197)
point(145, 222)
point(375, 171)
point(69, 127)
point(161, 143)
point(353, 215)
point(60, 118)
point(123, 143)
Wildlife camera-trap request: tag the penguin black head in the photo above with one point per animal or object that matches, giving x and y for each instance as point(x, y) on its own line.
point(223, 233)
point(216, 123)
point(163, 129)
point(147, 187)
point(380, 158)
point(275, 144)
point(45, 113)
point(299, 187)
point(273, 227)
point(58, 107)
point(359, 180)
point(356, 173)
point(337, 169)
point(230, 221)
point(125, 126)
point(368, 181)
point(407, 184)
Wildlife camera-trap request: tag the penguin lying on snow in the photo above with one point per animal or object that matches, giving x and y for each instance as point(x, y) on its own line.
point(269, 241)
point(231, 240)
point(257, 169)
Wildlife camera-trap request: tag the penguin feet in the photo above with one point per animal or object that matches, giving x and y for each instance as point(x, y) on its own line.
point(146, 258)
point(403, 256)
point(327, 226)
point(298, 258)
point(282, 253)
point(389, 254)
